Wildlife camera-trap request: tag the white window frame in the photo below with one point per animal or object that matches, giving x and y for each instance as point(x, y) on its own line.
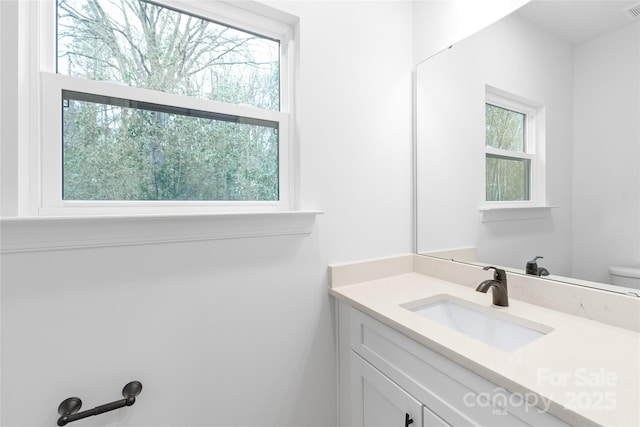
point(534, 149)
point(49, 99)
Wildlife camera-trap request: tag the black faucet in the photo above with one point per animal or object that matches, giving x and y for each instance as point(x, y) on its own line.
point(499, 285)
point(532, 268)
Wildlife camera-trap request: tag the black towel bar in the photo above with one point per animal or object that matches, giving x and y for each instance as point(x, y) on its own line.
point(69, 408)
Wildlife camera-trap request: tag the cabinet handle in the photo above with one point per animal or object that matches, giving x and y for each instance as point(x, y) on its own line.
point(407, 420)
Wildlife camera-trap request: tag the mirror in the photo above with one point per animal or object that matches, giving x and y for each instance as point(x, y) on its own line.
point(577, 64)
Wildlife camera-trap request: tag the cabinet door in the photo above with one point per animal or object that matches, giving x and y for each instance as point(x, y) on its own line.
point(430, 419)
point(376, 401)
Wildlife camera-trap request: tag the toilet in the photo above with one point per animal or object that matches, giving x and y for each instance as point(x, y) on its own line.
point(625, 276)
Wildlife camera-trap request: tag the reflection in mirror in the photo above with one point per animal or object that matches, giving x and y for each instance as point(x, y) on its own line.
point(569, 189)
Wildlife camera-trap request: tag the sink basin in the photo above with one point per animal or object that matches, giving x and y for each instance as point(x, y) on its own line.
point(500, 330)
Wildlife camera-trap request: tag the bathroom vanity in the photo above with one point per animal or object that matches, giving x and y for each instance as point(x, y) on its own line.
point(402, 361)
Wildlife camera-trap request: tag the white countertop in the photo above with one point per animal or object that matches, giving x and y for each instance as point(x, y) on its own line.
point(587, 371)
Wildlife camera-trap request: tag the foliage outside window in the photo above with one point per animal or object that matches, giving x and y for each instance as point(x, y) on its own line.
point(114, 152)
point(161, 104)
point(510, 151)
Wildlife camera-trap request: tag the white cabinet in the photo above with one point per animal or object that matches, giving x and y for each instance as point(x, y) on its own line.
point(430, 419)
point(379, 402)
point(384, 375)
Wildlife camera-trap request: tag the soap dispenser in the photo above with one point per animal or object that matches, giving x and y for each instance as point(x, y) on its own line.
point(532, 266)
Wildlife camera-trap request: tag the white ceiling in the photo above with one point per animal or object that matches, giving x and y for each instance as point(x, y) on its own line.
point(577, 21)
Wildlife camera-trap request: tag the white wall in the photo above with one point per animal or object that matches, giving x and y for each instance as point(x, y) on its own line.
point(606, 226)
point(514, 56)
point(439, 24)
point(230, 332)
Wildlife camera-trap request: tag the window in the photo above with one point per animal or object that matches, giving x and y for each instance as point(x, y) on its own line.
point(513, 161)
point(150, 105)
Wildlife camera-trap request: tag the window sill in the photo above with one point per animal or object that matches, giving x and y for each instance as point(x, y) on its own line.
point(31, 234)
point(511, 213)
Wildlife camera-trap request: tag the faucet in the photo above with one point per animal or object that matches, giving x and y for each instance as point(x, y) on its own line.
point(499, 285)
point(532, 267)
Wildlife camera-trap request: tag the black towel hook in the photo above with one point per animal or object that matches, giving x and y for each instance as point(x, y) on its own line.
point(69, 407)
